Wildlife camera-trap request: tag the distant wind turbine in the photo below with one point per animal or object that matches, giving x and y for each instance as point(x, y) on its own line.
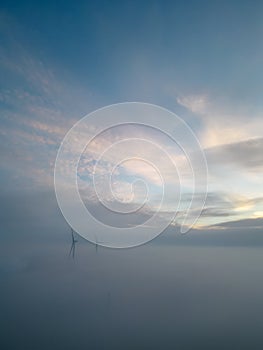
point(72, 248)
point(97, 243)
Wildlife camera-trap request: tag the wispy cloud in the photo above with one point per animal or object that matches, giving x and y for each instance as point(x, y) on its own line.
point(221, 123)
point(246, 154)
point(40, 103)
point(198, 104)
point(38, 107)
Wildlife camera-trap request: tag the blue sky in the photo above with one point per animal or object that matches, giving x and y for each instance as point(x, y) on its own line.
point(200, 59)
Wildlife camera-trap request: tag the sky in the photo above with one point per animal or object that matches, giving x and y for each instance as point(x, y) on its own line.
point(202, 60)
point(201, 63)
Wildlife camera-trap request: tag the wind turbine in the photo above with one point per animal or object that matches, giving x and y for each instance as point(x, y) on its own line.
point(72, 248)
point(97, 243)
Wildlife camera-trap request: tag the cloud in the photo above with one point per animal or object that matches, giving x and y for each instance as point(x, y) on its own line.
point(216, 212)
point(221, 122)
point(139, 151)
point(245, 154)
point(222, 206)
point(231, 136)
point(256, 223)
point(234, 235)
point(39, 105)
point(195, 103)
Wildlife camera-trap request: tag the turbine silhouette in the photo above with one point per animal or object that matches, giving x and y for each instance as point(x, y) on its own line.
point(97, 243)
point(72, 248)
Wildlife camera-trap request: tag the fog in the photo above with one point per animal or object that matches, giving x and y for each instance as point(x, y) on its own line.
point(196, 291)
